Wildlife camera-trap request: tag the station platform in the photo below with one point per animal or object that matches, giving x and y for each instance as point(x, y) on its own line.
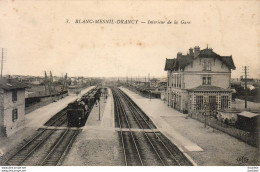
point(98, 143)
point(205, 146)
point(34, 120)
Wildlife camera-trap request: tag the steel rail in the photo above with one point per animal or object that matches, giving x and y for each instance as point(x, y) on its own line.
point(123, 110)
point(39, 134)
point(34, 148)
point(133, 113)
point(53, 148)
point(121, 133)
point(68, 147)
point(39, 144)
point(62, 114)
point(138, 111)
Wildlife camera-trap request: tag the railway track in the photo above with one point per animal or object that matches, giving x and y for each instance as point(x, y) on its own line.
point(162, 149)
point(55, 155)
point(50, 145)
point(130, 149)
point(26, 152)
point(54, 121)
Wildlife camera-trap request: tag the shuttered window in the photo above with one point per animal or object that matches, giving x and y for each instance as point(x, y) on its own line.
point(14, 95)
point(206, 81)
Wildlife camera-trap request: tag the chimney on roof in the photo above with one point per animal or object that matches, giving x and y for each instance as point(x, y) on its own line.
point(191, 52)
point(196, 51)
point(179, 55)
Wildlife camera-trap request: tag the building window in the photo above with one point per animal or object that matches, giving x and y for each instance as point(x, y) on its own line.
point(209, 81)
point(207, 65)
point(15, 115)
point(224, 102)
point(180, 81)
point(206, 81)
point(177, 80)
point(199, 102)
point(14, 95)
point(212, 102)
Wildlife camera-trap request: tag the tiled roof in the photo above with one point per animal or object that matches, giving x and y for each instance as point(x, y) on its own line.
point(228, 60)
point(208, 53)
point(11, 84)
point(209, 88)
point(169, 64)
point(184, 60)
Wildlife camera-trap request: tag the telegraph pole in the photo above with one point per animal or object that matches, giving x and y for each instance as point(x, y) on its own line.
point(99, 110)
point(2, 62)
point(45, 82)
point(246, 73)
point(149, 86)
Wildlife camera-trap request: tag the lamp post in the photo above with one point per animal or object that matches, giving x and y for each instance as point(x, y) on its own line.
point(205, 114)
point(99, 110)
point(105, 96)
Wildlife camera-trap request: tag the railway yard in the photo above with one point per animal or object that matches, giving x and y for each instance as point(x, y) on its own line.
point(119, 130)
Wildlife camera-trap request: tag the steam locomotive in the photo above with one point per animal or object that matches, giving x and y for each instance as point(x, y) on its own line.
point(78, 111)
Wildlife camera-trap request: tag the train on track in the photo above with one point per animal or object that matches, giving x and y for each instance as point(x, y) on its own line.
point(78, 111)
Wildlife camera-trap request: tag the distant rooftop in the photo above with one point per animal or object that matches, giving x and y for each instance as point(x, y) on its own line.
point(11, 84)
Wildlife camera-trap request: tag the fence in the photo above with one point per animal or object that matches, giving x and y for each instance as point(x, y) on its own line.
point(250, 138)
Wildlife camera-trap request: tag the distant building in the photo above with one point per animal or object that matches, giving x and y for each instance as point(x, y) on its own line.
point(161, 89)
point(233, 116)
point(12, 106)
point(248, 121)
point(250, 82)
point(31, 80)
point(154, 82)
point(72, 89)
point(199, 80)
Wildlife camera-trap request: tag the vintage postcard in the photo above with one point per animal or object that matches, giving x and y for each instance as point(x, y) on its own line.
point(129, 83)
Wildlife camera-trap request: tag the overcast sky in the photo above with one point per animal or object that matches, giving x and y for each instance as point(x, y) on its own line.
point(37, 38)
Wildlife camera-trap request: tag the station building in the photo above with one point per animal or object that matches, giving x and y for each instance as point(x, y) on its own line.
point(12, 106)
point(199, 80)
